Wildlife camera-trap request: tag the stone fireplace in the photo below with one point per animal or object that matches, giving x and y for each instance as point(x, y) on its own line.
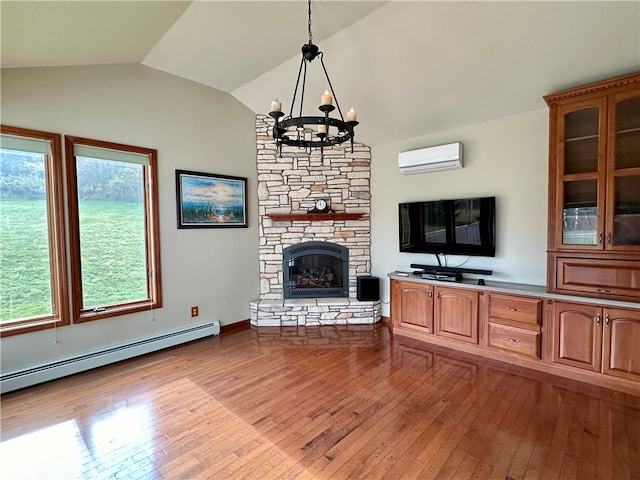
point(321, 289)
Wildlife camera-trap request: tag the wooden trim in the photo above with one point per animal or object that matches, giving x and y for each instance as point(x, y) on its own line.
point(152, 220)
point(594, 87)
point(235, 327)
point(312, 217)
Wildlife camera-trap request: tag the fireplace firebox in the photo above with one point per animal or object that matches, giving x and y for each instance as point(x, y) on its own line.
point(315, 270)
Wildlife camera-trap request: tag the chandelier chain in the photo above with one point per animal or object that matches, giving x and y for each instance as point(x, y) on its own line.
point(309, 24)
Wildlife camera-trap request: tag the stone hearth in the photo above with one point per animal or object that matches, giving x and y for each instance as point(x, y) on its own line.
point(314, 312)
point(291, 184)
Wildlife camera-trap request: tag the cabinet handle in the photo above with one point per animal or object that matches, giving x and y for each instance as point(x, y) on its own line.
point(511, 339)
point(605, 290)
point(430, 294)
point(600, 238)
point(511, 309)
point(606, 319)
point(598, 320)
point(609, 235)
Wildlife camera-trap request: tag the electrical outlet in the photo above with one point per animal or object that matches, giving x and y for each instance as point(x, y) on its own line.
point(194, 311)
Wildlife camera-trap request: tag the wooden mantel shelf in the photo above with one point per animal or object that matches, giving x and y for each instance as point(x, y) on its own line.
point(313, 217)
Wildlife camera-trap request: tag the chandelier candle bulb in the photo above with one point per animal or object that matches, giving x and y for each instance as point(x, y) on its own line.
point(276, 106)
point(352, 115)
point(322, 129)
point(327, 98)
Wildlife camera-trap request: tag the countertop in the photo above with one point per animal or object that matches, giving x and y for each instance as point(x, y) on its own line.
point(539, 291)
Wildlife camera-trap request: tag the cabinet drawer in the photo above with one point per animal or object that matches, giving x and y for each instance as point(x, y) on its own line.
point(509, 309)
point(601, 277)
point(517, 340)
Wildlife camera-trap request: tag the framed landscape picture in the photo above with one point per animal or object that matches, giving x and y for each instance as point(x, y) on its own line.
point(206, 200)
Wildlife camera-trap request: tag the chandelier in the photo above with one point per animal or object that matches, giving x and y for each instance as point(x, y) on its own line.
point(312, 131)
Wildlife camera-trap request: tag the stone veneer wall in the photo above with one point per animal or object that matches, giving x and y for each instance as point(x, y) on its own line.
point(292, 184)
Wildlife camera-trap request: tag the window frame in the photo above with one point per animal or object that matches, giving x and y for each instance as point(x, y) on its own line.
point(81, 314)
point(56, 230)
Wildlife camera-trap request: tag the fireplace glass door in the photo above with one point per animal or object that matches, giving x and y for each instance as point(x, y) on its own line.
point(316, 270)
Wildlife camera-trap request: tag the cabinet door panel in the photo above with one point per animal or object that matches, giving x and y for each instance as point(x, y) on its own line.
point(624, 120)
point(580, 133)
point(415, 302)
point(578, 166)
point(456, 314)
point(624, 221)
point(578, 335)
point(600, 277)
point(622, 343)
point(623, 172)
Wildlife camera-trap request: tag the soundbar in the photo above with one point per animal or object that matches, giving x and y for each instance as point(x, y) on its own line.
point(436, 269)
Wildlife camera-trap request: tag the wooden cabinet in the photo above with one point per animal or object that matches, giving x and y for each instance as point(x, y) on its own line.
point(600, 339)
point(594, 343)
point(514, 324)
point(412, 305)
point(456, 314)
point(594, 189)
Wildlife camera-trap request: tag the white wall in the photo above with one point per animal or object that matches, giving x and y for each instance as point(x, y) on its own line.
point(506, 158)
point(193, 127)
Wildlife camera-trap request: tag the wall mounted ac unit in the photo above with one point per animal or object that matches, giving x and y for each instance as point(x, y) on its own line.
point(431, 159)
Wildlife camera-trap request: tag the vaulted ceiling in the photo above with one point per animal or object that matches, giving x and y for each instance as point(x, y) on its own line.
point(409, 68)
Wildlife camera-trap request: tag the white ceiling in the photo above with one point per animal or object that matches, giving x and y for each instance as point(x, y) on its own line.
point(409, 68)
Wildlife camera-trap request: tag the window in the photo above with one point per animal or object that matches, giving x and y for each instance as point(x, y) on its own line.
point(113, 228)
point(113, 233)
point(33, 267)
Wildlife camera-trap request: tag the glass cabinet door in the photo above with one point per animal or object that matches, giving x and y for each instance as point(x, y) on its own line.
point(623, 223)
point(582, 154)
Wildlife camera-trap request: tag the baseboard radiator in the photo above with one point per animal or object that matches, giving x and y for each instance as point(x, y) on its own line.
point(62, 368)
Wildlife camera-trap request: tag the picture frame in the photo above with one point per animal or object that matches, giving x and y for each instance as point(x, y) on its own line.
point(207, 200)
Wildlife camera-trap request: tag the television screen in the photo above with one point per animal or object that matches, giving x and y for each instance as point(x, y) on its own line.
point(456, 227)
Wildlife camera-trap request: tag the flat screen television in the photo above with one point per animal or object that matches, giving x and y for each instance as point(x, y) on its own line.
point(457, 227)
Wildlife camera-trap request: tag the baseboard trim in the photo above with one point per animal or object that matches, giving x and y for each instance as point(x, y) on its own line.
point(235, 327)
point(68, 366)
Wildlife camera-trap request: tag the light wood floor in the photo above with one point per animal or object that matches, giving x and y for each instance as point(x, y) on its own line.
point(325, 403)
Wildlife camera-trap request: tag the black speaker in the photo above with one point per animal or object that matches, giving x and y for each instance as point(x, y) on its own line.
point(368, 288)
